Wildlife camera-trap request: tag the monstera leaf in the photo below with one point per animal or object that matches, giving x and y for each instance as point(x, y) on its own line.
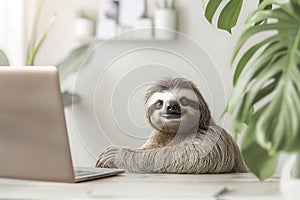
point(266, 98)
point(228, 15)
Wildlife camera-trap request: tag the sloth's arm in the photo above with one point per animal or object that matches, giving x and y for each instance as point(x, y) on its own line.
point(182, 158)
point(212, 152)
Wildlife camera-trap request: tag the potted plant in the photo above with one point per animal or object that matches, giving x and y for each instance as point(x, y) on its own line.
point(84, 25)
point(34, 43)
point(265, 102)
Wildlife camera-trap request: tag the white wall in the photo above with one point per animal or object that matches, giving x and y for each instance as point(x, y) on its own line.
point(61, 38)
point(219, 44)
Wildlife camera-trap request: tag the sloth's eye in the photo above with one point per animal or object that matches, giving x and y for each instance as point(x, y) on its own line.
point(159, 104)
point(183, 101)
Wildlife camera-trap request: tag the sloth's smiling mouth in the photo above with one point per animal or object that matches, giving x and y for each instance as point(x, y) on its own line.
point(173, 115)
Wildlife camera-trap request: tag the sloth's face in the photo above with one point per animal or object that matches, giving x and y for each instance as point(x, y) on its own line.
point(174, 111)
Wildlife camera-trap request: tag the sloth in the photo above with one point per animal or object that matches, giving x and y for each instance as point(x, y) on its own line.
point(186, 138)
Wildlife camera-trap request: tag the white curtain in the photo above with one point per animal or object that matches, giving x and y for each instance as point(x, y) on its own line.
point(12, 30)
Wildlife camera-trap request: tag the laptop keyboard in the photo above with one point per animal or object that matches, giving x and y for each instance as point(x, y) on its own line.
point(85, 173)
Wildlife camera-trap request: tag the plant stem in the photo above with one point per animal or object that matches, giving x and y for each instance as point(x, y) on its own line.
point(34, 50)
point(295, 173)
point(31, 42)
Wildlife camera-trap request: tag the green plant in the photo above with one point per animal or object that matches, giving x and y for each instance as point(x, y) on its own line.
point(228, 15)
point(70, 64)
point(3, 59)
point(34, 45)
point(74, 60)
point(265, 101)
point(82, 14)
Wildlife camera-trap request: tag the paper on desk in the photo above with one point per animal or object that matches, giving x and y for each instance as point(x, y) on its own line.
point(42, 192)
point(156, 190)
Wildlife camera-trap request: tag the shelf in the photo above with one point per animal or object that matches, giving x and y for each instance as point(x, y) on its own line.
point(95, 40)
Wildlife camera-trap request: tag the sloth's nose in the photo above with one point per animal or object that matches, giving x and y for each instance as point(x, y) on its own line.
point(173, 107)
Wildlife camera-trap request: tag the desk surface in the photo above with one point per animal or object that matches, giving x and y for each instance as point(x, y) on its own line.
point(146, 186)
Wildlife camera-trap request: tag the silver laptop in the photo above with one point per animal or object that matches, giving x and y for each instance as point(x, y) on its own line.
point(33, 136)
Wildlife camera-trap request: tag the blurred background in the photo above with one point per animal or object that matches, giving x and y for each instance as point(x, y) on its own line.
point(17, 16)
point(86, 23)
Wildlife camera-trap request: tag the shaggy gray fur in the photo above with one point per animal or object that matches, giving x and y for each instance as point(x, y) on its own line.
point(211, 152)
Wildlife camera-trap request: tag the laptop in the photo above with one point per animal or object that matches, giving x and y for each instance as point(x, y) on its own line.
point(33, 135)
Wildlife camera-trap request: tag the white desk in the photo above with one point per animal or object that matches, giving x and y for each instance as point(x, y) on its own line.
point(145, 186)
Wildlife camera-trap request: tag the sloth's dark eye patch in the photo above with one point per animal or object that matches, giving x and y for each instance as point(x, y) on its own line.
point(184, 101)
point(155, 106)
point(159, 104)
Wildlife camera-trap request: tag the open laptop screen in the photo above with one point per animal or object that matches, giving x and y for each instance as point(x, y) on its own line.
point(33, 136)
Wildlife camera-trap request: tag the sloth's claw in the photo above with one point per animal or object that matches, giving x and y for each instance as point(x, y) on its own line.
point(108, 157)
